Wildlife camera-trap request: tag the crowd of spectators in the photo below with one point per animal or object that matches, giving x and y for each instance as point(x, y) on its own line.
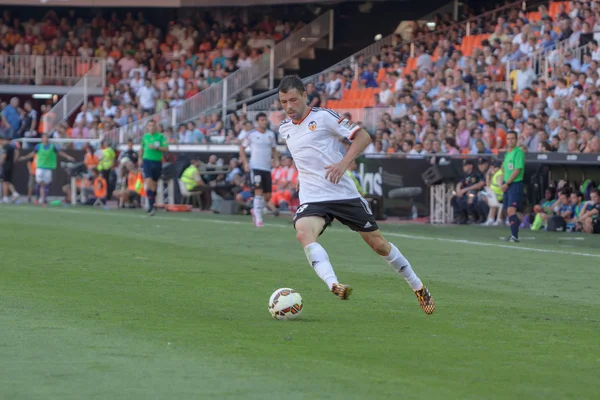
point(149, 67)
point(454, 99)
point(445, 97)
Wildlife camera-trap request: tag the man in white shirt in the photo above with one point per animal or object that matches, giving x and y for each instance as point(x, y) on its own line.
point(385, 95)
point(147, 97)
point(136, 82)
point(244, 61)
point(327, 192)
point(84, 115)
point(333, 88)
point(525, 76)
point(176, 79)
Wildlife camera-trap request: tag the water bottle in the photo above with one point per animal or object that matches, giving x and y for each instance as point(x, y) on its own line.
point(415, 213)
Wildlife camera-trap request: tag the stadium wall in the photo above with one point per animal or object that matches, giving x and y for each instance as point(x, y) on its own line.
point(396, 179)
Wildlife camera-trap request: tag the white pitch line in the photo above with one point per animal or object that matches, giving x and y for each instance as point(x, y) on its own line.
point(280, 226)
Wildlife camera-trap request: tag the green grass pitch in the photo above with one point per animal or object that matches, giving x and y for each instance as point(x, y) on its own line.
point(101, 304)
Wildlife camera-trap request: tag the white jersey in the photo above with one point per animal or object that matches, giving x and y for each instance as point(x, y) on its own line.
point(314, 144)
point(261, 149)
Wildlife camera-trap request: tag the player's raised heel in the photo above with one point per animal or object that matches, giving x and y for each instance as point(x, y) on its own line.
point(341, 291)
point(425, 300)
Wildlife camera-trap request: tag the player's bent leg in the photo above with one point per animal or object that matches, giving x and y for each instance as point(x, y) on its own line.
point(308, 230)
point(396, 259)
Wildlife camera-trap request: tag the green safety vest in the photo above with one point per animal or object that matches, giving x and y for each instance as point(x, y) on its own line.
point(108, 159)
point(188, 177)
point(497, 189)
point(46, 158)
point(356, 182)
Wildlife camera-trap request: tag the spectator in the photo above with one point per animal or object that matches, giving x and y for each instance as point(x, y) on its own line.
point(11, 118)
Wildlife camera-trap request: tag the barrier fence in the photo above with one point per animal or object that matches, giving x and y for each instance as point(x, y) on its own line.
point(75, 97)
point(468, 26)
point(215, 99)
point(48, 70)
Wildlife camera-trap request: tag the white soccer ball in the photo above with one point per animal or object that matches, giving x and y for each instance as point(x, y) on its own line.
point(285, 303)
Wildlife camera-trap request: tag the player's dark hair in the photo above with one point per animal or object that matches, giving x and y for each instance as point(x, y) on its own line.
point(290, 82)
point(260, 115)
point(512, 133)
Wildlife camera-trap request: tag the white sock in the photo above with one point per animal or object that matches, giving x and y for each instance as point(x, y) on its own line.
point(258, 205)
point(319, 260)
point(401, 264)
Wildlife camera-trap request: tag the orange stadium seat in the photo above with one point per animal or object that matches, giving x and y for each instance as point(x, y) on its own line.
point(534, 16)
point(555, 8)
point(410, 65)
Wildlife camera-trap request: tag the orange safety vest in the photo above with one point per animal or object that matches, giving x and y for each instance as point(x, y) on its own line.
point(33, 165)
point(100, 189)
point(132, 179)
point(90, 160)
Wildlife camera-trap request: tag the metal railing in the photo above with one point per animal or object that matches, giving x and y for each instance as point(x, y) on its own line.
point(47, 70)
point(75, 97)
point(374, 49)
point(544, 61)
point(215, 98)
point(559, 57)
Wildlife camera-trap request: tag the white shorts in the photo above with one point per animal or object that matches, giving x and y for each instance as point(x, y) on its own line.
point(43, 176)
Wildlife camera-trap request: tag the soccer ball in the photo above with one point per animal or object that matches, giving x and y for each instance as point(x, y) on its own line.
point(285, 303)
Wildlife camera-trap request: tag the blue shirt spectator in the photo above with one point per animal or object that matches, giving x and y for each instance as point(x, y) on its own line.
point(11, 117)
point(369, 77)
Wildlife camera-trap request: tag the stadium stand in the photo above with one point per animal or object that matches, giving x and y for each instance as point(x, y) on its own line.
point(530, 71)
point(148, 67)
point(453, 90)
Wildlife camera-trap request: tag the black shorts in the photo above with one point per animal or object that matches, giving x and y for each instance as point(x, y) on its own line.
point(262, 180)
point(354, 213)
point(152, 169)
point(596, 225)
point(7, 172)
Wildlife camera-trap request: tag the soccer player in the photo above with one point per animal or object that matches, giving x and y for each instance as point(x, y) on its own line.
point(46, 162)
point(7, 160)
point(262, 143)
point(327, 193)
point(154, 144)
point(514, 169)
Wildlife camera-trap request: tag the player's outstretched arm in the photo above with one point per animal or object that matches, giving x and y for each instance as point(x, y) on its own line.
point(360, 141)
point(27, 157)
point(66, 156)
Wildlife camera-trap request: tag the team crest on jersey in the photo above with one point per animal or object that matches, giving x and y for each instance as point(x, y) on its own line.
point(312, 126)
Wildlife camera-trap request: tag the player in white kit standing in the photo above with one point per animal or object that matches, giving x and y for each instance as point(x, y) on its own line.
point(327, 193)
point(262, 143)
